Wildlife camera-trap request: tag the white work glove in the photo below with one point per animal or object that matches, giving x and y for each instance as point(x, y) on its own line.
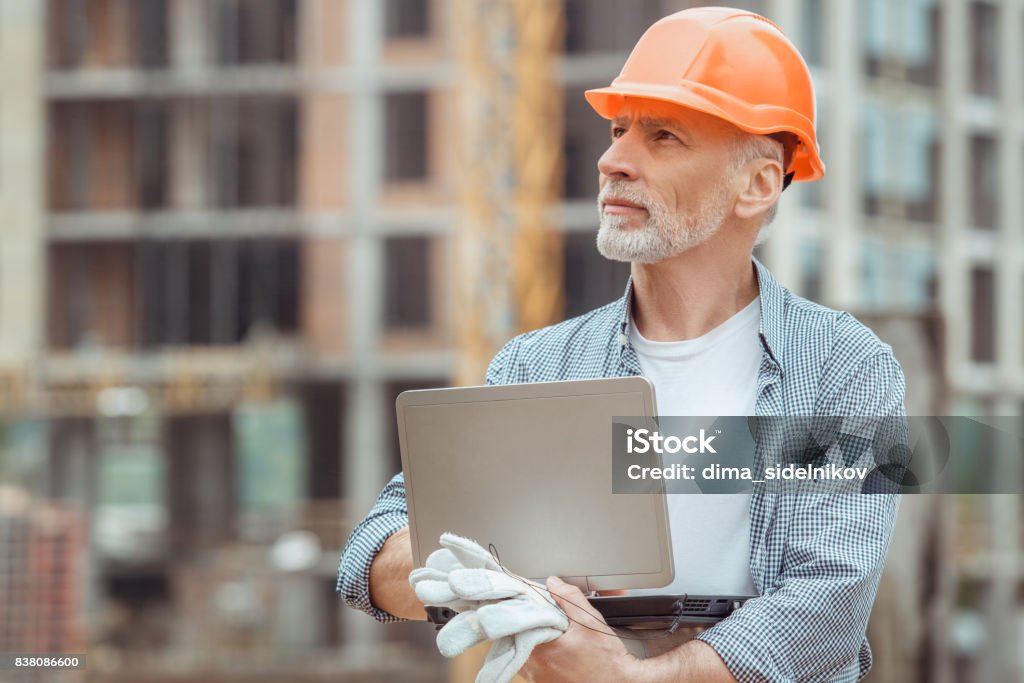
point(516, 614)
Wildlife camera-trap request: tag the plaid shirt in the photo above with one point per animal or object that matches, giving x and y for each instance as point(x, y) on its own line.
point(815, 559)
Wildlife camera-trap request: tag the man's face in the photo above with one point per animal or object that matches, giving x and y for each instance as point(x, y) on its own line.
point(664, 181)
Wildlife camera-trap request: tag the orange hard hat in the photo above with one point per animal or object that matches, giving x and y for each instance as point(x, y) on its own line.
point(729, 63)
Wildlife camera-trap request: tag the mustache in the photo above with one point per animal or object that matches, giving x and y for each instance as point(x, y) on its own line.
point(617, 189)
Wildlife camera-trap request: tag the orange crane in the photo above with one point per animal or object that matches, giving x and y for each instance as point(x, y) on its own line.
point(508, 254)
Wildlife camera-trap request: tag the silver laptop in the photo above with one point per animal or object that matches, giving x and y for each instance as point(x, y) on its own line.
point(527, 469)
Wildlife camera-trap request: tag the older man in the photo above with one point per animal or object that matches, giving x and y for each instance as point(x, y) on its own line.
point(711, 118)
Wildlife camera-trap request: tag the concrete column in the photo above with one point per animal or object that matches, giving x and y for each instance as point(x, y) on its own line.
point(952, 263)
point(22, 181)
point(201, 471)
point(840, 267)
point(780, 251)
point(190, 137)
point(1004, 624)
point(1009, 275)
point(71, 468)
point(189, 42)
point(190, 144)
point(999, 660)
point(365, 445)
point(299, 621)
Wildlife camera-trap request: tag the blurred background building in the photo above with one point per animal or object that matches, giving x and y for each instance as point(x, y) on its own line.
point(232, 235)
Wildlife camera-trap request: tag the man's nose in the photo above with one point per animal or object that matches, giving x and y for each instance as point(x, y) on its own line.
point(619, 161)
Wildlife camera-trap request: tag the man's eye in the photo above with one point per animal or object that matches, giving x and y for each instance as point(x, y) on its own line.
point(665, 135)
point(618, 131)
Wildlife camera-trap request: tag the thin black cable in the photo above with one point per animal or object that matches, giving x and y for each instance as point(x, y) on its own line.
point(678, 605)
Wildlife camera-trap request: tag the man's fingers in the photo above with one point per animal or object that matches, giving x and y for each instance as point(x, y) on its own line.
point(574, 603)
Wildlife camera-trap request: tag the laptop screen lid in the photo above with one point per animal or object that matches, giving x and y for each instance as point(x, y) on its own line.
point(527, 468)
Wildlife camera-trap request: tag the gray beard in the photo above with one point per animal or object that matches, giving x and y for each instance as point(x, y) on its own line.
point(663, 235)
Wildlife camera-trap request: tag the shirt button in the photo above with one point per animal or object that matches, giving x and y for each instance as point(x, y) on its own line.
point(623, 339)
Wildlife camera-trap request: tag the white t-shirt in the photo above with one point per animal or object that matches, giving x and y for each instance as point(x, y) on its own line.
point(712, 375)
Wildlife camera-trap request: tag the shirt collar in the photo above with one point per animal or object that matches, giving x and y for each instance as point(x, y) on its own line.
point(772, 309)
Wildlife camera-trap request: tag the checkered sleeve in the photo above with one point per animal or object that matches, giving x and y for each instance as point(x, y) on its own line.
point(810, 624)
point(389, 514)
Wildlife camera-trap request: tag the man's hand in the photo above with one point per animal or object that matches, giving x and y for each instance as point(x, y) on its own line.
point(580, 654)
point(389, 578)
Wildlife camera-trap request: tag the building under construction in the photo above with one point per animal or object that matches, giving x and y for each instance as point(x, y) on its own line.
point(236, 230)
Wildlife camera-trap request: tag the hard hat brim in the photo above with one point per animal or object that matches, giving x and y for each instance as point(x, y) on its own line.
point(807, 164)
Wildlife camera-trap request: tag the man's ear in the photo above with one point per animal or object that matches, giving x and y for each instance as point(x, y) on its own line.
point(763, 180)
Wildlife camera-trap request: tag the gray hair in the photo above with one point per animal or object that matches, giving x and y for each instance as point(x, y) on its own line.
point(750, 147)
